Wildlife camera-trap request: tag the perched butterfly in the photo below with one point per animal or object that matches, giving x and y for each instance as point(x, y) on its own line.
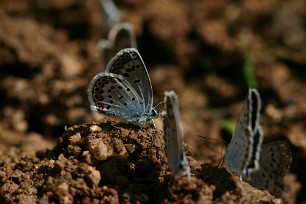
point(121, 35)
point(274, 164)
point(124, 90)
point(173, 137)
point(242, 154)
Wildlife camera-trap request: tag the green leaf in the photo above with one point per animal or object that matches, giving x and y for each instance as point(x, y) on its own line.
point(228, 126)
point(249, 75)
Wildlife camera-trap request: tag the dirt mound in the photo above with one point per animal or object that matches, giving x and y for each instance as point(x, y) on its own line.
point(111, 162)
point(208, 52)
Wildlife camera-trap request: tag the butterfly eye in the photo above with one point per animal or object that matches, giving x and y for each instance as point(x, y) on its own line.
point(154, 112)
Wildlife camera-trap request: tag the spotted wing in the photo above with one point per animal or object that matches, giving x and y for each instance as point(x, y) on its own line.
point(242, 154)
point(173, 137)
point(275, 161)
point(112, 95)
point(129, 64)
point(256, 132)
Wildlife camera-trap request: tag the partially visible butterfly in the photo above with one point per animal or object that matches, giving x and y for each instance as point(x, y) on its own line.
point(274, 164)
point(121, 35)
point(173, 137)
point(110, 11)
point(124, 90)
point(242, 154)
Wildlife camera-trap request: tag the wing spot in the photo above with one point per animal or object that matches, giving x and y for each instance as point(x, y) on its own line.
point(128, 89)
point(119, 87)
point(97, 89)
point(97, 97)
point(126, 75)
point(109, 90)
point(133, 99)
point(125, 104)
point(110, 96)
point(108, 107)
point(136, 81)
point(112, 87)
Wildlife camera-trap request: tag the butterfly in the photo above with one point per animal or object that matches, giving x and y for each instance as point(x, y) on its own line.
point(173, 137)
point(274, 164)
point(110, 11)
point(243, 152)
point(121, 35)
point(124, 90)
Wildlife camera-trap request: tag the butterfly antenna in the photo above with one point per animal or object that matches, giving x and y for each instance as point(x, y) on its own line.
point(160, 103)
point(162, 113)
point(221, 161)
point(223, 142)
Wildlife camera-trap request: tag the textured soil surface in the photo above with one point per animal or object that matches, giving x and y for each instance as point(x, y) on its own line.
point(55, 150)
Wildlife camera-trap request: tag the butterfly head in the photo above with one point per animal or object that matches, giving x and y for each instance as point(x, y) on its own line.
point(147, 117)
point(183, 169)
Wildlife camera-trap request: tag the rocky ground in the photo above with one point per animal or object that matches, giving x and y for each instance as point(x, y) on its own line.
point(54, 149)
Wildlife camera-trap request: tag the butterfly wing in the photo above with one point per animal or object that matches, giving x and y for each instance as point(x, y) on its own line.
point(112, 95)
point(173, 137)
point(256, 132)
point(120, 36)
point(129, 64)
point(275, 161)
point(247, 138)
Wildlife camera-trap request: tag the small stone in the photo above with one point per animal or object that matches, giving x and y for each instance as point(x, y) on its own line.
point(120, 148)
point(124, 133)
point(98, 149)
point(94, 175)
point(130, 148)
point(74, 150)
point(104, 188)
point(75, 139)
point(63, 192)
point(95, 128)
point(87, 157)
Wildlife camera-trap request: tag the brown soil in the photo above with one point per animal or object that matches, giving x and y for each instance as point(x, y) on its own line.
point(48, 56)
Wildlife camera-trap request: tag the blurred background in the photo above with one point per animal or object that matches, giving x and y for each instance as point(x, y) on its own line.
point(209, 52)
